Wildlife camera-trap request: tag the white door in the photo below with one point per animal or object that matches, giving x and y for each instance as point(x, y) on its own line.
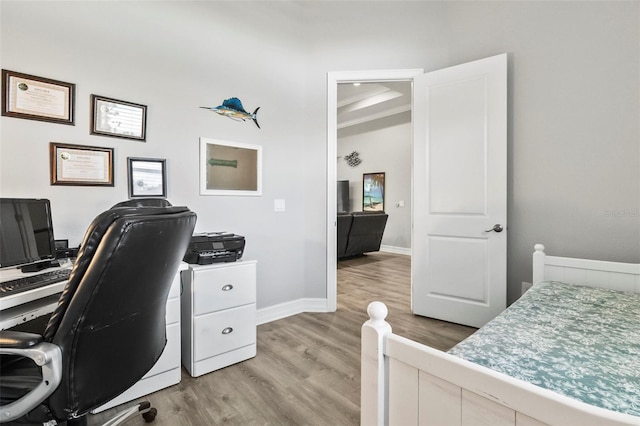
point(460, 192)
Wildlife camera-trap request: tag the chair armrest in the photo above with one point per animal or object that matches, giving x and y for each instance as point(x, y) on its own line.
point(46, 355)
point(18, 340)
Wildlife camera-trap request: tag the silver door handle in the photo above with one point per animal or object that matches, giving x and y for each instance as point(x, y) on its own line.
point(496, 228)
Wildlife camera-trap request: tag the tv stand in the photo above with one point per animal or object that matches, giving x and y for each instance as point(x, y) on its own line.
point(39, 266)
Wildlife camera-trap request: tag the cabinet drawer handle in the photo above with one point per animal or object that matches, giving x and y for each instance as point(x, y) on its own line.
point(227, 330)
point(227, 287)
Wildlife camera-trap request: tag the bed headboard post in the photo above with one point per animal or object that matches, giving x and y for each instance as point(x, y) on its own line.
point(538, 264)
point(372, 378)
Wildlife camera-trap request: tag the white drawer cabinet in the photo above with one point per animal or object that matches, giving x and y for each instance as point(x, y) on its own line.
point(166, 371)
point(218, 308)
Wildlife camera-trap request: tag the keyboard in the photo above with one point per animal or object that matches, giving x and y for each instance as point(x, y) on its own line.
point(19, 285)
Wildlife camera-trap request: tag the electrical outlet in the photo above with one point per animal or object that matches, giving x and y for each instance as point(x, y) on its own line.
point(525, 286)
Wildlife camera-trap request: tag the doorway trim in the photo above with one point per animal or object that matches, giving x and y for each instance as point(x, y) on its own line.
point(333, 79)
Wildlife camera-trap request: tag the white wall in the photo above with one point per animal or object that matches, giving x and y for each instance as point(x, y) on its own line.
point(574, 104)
point(173, 57)
point(383, 145)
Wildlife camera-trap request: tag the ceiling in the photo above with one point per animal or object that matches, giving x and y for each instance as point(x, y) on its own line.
point(365, 102)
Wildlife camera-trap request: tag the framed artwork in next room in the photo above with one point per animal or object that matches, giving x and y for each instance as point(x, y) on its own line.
point(373, 192)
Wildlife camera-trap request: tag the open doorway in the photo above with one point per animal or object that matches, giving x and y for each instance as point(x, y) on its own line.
point(374, 138)
point(458, 193)
point(352, 112)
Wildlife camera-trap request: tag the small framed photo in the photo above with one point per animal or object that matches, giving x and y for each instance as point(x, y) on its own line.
point(120, 119)
point(81, 165)
point(373, 192)
point(230, 168)
point(37, 98)
point(147, 177)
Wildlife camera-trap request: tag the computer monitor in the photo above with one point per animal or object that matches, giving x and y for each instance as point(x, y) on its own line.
point(26, 232)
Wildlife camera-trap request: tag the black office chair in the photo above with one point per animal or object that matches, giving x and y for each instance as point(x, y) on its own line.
point(108, 329)
point(144, 202)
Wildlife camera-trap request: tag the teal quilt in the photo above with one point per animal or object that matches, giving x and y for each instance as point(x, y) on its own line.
point(578, 341)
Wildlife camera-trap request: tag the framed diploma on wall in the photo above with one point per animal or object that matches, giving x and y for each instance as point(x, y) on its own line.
point(81, 165)
point(119, 119)
point(37, 98)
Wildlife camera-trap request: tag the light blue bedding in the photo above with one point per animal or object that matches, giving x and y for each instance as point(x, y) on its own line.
point(578, 341)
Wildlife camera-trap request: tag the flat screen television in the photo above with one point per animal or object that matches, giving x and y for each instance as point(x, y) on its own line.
point(344, 205)
point(26, 232)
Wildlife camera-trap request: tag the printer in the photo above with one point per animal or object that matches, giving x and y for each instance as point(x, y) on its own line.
point(213, 247)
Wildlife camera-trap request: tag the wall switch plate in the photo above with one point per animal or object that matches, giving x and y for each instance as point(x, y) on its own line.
point(278, 205)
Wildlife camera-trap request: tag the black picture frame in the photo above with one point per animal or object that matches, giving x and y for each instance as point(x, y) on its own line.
point(118, 119)
point(147, 177)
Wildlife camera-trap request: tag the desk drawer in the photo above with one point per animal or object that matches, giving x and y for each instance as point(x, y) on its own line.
point(223, 287)
point(223, 331)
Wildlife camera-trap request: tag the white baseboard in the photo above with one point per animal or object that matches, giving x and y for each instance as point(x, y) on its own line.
point(287, 309)
point(396, 250)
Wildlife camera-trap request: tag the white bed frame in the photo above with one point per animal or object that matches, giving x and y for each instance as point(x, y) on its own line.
point(406, 383)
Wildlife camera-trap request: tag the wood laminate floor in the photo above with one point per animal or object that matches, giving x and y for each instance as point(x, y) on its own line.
point(307, 370)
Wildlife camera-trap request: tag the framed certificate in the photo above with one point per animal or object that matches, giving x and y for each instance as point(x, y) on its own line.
point(81, 165)
point(37, 98)
point(119, 119)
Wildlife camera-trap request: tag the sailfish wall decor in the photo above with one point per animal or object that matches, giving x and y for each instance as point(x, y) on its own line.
point(233, 109)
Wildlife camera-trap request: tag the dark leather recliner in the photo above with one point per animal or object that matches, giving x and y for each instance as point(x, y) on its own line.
point(360, 232)
point(343, 227)
point(108, 329)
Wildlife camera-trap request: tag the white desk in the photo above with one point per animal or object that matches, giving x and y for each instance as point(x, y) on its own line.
point(28, 305)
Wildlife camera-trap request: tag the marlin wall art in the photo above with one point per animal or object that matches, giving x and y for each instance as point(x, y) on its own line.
point(233, 109)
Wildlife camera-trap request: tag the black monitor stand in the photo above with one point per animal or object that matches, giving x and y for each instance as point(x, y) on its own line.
point(39, 266)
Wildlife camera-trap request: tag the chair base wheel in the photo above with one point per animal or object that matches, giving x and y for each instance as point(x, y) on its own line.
point(150, 415)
